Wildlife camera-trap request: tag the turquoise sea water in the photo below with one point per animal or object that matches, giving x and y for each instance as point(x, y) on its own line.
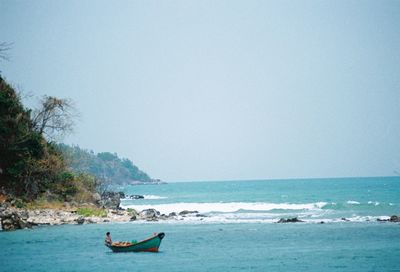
point(312, 200)
point(233, 239)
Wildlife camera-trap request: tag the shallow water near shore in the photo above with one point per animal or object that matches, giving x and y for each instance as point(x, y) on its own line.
point(238, 232)
point(343, 246)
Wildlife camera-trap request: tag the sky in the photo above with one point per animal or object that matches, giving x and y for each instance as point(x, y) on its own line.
point(219, 90)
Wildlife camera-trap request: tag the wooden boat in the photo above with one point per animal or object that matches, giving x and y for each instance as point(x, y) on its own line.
point(150, 245)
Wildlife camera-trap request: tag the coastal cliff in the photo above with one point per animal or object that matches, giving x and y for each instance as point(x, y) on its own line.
point(43, 182)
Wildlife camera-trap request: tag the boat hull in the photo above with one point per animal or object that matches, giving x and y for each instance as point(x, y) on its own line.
point(148, 245)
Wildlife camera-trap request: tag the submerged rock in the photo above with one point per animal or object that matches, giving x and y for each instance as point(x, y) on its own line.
point(290, 220)
point(185, 212)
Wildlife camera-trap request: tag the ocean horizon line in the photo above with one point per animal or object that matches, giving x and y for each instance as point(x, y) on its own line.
point(281, 179)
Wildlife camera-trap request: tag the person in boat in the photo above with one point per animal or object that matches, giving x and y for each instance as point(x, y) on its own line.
point(108, 240)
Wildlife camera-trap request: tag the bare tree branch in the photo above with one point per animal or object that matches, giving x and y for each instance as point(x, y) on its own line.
point(54, 118)
point(4, 47)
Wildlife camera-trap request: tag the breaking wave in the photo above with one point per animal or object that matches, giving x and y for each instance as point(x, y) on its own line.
point(352, 202)
point(230, 207)
point(154, 197)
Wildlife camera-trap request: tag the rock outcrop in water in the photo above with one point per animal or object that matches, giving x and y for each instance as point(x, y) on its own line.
point(186, 212)
point(393, 218)
point(133, 196)
point(289, 220)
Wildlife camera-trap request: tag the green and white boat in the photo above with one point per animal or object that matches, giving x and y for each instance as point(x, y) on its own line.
point(149, 245)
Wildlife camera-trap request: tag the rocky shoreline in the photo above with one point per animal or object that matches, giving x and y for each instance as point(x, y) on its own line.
point(107, 210)
point(13, 218)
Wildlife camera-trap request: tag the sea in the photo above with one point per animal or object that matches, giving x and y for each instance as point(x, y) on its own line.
point(235, 229)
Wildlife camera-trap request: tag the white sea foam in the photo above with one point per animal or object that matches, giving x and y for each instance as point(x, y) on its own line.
point(376, 203)
point(227, 207)
point(154, 197)
point(352, 202)
point(232, 219)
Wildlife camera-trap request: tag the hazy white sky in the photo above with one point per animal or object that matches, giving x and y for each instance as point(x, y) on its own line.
point(210, 90)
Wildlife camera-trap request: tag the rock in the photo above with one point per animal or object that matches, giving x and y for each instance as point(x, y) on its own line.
point(394, 218)
point(185, 212)
point(289, 220)
point(80, 220)
point(110, 200)
point(149, 214)
point(133, 218)
point(382, 220)
point(24, 215)
point(4, 206)
point(322, 222)
point(200, 215)
point(172, 214)
point(345, 219)
point(117, 212)
point(134, 196)
point(90, 221)
point(121, 194)
point(96, 197)
point(12, 220)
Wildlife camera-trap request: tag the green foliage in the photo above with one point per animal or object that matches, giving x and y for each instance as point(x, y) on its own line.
point(20, 146)
point(107, 167)
point(65, 185)
point(30, 165)
point(88, 211)
point(19, 203)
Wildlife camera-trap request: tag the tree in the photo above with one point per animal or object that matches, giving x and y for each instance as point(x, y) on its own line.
point(4, 47)
point(29, 164)
point(19, 145)
point(54, 118)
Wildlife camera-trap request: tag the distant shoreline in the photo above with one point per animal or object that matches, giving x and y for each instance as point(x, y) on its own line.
point(283, 179)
